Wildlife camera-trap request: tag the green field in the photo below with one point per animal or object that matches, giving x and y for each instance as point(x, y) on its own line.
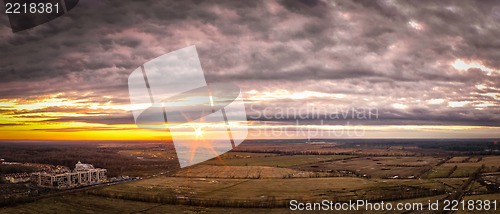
point(464, 171)
point(440, 172)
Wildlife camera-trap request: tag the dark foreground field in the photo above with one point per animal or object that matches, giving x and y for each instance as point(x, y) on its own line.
point(263, 176)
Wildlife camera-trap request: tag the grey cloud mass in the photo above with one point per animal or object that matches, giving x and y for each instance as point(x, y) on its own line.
point(396, 56)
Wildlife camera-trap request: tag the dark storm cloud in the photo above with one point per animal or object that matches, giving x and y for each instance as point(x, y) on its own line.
point(9, 124)
point(375, 53)
point(314, 8)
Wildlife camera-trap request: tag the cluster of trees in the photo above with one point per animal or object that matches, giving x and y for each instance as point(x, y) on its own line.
point(15, 168)
point(485, 147)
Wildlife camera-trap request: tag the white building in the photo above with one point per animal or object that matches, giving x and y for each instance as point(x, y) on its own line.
point(84, 174)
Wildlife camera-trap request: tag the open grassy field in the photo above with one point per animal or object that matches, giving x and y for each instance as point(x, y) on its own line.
point(266, 189)
point(277, 161)
point(452, 182)
point(440, 172)
point(458, 159)
point(82, 203)
point(247, 172)
point(380, 167)
point(477, 188)
point(492, 163)
point(72, 203)
point(464, 171)
point(300, 147)
point(405, 161)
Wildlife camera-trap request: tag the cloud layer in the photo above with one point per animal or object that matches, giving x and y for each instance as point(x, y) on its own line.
point(418, 63)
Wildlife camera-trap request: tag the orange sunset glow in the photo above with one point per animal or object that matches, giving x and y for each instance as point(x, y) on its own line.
point(419, 78)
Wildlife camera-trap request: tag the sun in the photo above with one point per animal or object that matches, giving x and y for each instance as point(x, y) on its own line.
point(198, 132)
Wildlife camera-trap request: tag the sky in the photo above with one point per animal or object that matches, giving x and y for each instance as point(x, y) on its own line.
point(306, 68)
